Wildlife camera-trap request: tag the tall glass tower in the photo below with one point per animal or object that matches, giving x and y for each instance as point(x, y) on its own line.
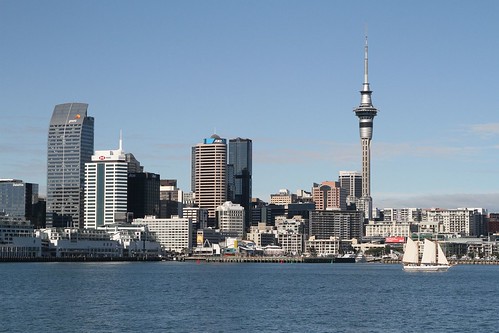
point(366, 113)
point(70, 146)
point(241, 160)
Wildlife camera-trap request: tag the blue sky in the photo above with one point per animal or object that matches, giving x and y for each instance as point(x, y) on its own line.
point(286, 74)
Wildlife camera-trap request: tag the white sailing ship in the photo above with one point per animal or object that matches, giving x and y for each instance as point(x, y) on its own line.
point(433, 259)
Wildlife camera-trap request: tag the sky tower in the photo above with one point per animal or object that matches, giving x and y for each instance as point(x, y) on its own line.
point(366, 113)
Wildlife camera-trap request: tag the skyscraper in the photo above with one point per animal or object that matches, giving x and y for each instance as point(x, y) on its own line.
point(209, 175)
point(329, 196)
point(366, 113)
point(70, 145)
point(231, 219)
point(106, 178)
point(352, 182)
point(143, 194)
point(241, 160)
point(18, 199)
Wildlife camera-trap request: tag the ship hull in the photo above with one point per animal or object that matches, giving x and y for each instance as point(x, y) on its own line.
point(426, 268)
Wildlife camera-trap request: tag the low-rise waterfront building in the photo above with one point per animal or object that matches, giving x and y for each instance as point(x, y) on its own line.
point(323, 247)
point(262, 235)
point(75, 242)
point(290, 234)
point(199, 220)
point(136, 240)
point(18, 239)
point(389, 229)
point(174, 234)
point(291, 243)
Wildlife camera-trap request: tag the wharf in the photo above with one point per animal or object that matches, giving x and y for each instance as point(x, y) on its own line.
point(454, 262)
point(239, 259)
point(474, 262)
point(260, 259)
point(80, 259)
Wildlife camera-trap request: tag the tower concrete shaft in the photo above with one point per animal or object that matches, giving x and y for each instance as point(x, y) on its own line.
point(366, 113)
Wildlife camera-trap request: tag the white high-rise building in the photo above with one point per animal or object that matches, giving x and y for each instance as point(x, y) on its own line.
point(231, 218)
point(106, 187)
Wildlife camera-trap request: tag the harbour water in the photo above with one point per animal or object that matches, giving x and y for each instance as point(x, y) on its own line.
point(259, 297)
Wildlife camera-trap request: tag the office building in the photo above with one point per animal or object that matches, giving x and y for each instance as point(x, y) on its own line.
point(143, 194)
point(106, 187)
point(261, 212)
point(352, 182)
point(344, 225)
point(284, 197)
point(70, 145)
point(290, 234)
point(323, 247)
point(198, 217)
point(329, 195)
point(262, 235)
point(463, 221)
point(170, 198)
point(174, 234)
point(209, 175)
point(20, 200)
point(231, 219)
point(366, 113)
point(412, 215)
point(240, 176)
point(383, 229)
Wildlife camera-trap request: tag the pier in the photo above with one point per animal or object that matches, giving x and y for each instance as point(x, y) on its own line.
point(239, 259)
point(262, 259)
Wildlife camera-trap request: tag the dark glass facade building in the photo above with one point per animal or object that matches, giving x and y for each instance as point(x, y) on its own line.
point(143, 194)
point(330, 223)
point(240, 175)
point(70, 145)
point(20, 200)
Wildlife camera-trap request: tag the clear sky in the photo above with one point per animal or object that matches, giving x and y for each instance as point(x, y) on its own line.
point(286, 74)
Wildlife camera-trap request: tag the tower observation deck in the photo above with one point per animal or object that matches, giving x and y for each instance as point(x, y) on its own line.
point(366, 113)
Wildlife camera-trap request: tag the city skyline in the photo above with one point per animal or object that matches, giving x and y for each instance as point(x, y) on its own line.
point(284, 74)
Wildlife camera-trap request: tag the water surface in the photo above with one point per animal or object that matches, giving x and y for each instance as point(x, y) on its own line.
point(252, 297)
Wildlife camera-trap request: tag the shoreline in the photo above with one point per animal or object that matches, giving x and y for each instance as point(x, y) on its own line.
point(231, 259)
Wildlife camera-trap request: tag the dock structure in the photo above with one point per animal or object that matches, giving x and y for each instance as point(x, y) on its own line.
point(261, 259)
point(240, 259)
point(453, 262)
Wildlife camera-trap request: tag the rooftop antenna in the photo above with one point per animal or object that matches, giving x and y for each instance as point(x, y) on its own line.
point(121, 140)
